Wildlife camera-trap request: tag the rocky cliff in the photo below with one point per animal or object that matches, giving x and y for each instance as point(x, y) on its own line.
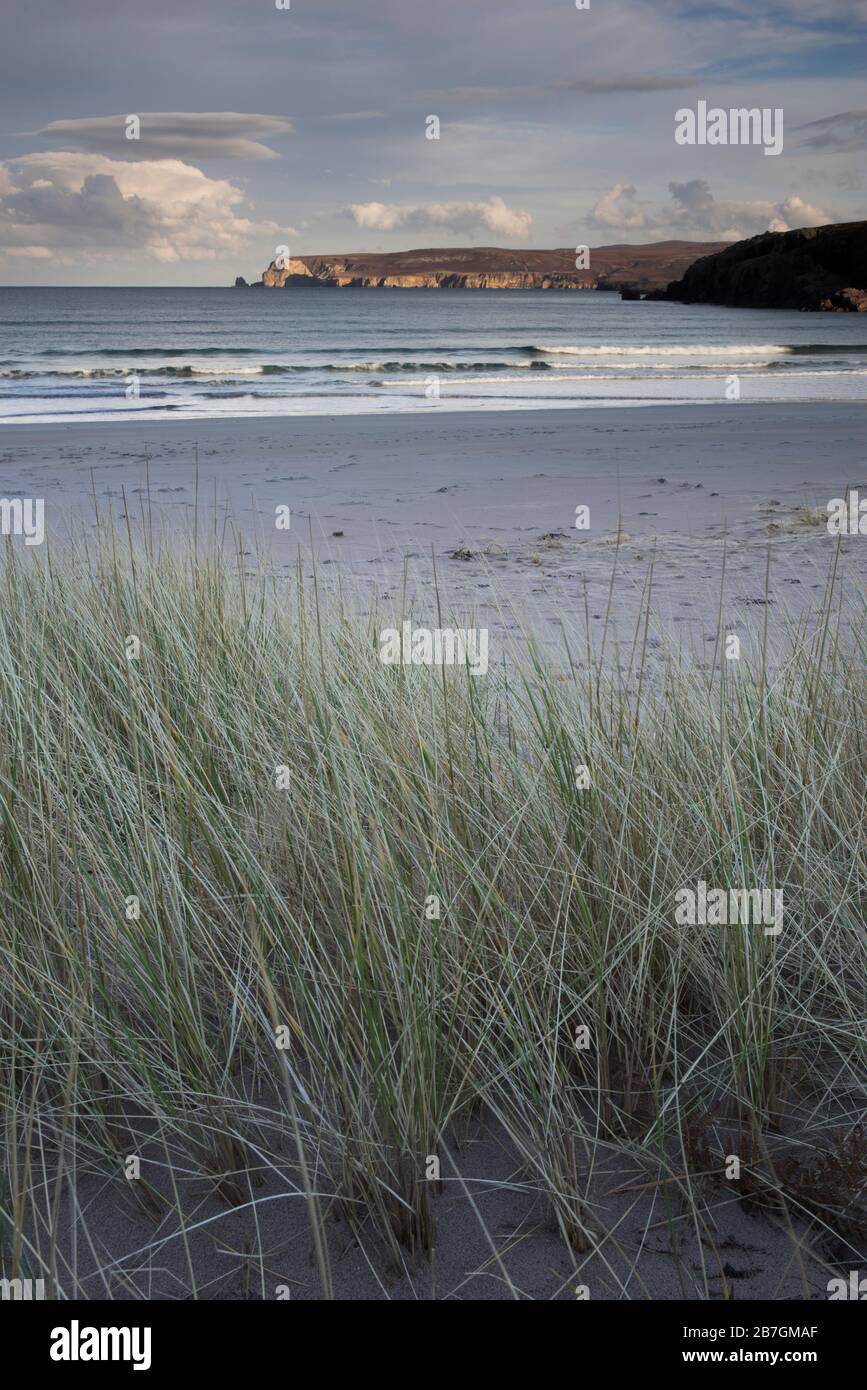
point(342, 275)
point(641, 268)
point(812, 268)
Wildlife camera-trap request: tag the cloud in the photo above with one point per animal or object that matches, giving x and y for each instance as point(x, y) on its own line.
point(493, 216)
point(355, 116)
point(846, 131)
point(698, 212)
point(33, 253)
point(163, 210)
point(794, 212)
point(621, 84)
point(695, 212)
point(618, 208)
point(175, 134)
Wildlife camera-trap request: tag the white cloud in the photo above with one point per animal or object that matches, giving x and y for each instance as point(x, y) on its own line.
point(618, 208)
point(695, 213)
point(32, 253)
point(794, 212)
point(164, 210)
point(698, 213)
point(379, 216)
point(175, 134)
point(493, 216)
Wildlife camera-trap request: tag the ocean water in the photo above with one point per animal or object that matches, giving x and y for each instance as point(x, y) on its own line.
point(68, 354)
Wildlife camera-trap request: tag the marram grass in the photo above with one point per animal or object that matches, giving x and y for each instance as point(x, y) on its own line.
point(312, 978)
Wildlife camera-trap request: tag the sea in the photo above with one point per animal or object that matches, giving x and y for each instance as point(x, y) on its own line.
point(99, 353)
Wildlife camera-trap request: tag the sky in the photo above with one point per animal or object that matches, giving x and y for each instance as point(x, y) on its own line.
point(306, 123)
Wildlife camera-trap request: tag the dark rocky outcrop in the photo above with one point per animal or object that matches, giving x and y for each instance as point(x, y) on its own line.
point(241, 283)
point(814, 268)
point(848, 301)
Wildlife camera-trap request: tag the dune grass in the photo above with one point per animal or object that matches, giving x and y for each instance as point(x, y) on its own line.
point(244, 967)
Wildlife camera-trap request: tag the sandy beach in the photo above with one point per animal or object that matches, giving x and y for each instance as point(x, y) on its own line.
point(491, 500)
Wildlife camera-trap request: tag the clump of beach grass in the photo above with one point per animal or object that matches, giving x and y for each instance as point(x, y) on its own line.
point(288, 916)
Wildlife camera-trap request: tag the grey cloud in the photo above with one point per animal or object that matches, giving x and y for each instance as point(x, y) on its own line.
point(846, 131)
point(695, 212)
point(355, 116)
point(606, 85)
point(172, 135)
point(694, 197)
